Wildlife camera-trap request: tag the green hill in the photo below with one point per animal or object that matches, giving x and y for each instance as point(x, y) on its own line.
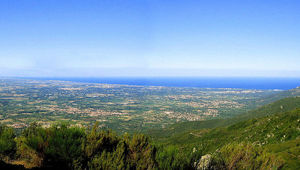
point(272, 141)
point(277, 96)
point(280, 106)
point(269, 129)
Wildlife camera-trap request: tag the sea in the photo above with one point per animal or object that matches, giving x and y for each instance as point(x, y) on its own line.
point(200, 82)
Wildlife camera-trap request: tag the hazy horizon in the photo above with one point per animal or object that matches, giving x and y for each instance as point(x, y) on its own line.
point(136, 72)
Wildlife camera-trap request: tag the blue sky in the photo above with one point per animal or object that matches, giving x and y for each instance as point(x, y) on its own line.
point(150, 38)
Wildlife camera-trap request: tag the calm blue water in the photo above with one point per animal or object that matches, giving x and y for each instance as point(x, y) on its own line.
point(202, 82)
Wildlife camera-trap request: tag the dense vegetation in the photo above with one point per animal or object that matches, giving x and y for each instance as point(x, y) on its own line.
point(63, 146)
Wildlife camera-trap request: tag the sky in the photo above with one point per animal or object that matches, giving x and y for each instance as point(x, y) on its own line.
point(103, 38)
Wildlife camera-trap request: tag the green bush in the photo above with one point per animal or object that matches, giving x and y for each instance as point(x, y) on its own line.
point(105, 150)
point(7, 142)
point(59, 145)
point(248, 156)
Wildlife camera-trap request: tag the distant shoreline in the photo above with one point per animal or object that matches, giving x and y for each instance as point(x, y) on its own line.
point(198, 82)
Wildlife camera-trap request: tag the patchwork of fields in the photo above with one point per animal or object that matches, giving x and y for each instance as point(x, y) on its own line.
point(119, 107)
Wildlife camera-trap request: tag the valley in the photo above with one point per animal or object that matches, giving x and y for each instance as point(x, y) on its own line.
point(124, 108)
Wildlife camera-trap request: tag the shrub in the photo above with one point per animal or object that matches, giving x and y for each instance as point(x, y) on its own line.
point(7, 142)
point(247, 156)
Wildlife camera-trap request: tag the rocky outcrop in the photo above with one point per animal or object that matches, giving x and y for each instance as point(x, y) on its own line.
point(204, 163)
point(208, 162)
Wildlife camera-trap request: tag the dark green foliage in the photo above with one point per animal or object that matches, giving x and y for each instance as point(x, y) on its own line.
point(105, 150)
point(69, 147)
point(141, 153)
point(63, 145)
point(99, 141)
point(7, 143)
point(59, 145)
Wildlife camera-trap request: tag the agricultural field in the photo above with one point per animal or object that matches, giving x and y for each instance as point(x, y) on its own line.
point(124, 108)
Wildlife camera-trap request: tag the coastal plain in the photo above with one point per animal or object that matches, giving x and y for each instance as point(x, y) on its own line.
point(124, 108)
